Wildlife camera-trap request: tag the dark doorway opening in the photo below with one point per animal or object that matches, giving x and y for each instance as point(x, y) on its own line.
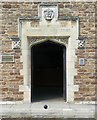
point(48, 71)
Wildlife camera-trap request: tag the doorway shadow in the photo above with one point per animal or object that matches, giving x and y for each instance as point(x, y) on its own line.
point(48, 71)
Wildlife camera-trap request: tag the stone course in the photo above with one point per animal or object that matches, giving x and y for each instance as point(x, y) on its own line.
point(86, 76)
point(49, 119)
point(56, 109)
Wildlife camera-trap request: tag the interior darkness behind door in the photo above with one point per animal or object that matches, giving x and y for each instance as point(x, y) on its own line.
point(47, 71)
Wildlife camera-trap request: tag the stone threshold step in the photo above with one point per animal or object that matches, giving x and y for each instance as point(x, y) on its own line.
point(48, 119)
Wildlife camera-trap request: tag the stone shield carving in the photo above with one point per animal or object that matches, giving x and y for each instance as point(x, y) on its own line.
point(48, 14)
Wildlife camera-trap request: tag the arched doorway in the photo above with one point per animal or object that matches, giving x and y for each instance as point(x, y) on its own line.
point(48, 71)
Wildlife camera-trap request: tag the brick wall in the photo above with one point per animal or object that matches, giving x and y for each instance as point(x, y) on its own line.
point(10, 72)
point(96, 51)
point(85, 74)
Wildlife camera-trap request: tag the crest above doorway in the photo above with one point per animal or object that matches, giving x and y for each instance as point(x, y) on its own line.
point(48, 12)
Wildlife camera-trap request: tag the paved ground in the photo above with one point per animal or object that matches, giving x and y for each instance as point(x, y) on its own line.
point(55, 109)
point(48, 119)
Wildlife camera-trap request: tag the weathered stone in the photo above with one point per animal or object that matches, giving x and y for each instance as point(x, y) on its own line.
point(86, 74)
point(7, 6)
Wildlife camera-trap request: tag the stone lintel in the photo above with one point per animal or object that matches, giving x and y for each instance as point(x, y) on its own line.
point(48, 37)
point(36, 18)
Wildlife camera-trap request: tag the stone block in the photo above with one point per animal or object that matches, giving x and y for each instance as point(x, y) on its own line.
point(7, 6)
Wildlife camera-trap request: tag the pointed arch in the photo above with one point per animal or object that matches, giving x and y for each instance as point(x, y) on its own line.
point(62, 42)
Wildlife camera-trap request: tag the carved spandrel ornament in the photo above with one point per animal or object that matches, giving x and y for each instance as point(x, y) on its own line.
point(48, 14)
point(32, 41)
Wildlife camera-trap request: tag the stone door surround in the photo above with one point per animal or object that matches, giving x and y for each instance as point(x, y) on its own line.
point(34, 31)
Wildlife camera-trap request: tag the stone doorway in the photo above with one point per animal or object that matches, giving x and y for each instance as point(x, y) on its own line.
point(48, 71)
point(65, 36)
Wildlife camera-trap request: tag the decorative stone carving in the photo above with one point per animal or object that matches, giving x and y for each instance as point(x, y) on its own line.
point(48, 14)
point(61, 40)
point(81, 43)
point(16, 43)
